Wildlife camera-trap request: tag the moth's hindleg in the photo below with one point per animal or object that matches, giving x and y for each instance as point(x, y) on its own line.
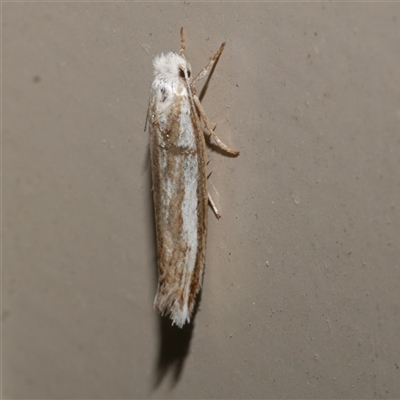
point(213, 206)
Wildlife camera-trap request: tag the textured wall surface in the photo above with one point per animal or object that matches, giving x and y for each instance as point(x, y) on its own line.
point(301, 295)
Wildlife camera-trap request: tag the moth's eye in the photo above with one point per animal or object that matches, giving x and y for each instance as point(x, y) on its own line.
point(181, 73)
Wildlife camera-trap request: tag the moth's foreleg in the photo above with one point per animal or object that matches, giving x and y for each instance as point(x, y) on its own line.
point(207, 124)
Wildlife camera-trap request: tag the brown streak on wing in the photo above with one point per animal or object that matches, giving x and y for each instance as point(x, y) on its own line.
point(202, 204)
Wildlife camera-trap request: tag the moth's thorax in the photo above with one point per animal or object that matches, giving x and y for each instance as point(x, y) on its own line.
point(171, 107)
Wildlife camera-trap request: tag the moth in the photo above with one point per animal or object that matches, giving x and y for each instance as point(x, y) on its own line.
point(177, 125)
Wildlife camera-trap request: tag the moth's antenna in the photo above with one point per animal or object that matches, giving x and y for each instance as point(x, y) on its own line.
point(182, 50)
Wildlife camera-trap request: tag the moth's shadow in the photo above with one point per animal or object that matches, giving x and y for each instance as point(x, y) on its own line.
point(174, 347)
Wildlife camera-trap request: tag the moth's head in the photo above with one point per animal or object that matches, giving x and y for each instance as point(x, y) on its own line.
point(172, 66)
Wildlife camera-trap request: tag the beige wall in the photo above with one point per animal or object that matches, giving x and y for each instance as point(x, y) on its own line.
point(301, 293)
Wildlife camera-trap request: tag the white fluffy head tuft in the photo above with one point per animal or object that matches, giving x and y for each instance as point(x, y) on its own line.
point(171, 66)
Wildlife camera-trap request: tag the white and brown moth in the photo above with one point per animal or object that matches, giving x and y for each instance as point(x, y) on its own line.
point(178, 165)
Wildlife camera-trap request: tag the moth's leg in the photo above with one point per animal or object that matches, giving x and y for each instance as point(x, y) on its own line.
point(182, 50)
point(213, 206)
point(148, 112)
point(210, 200)
point(208, 67)
point(209, 128)
point(147, 118)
